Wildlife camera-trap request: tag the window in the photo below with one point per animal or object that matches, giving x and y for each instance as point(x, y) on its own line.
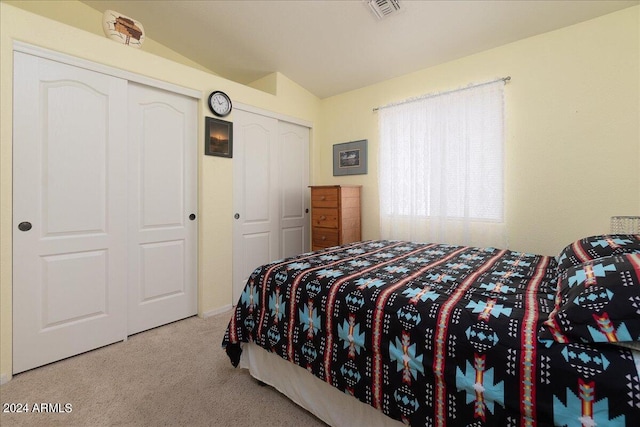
point(441, 167)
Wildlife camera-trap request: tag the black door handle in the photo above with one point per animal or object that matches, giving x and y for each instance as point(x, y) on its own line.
point(192, 217)
point(237, 216)
point(24, 226)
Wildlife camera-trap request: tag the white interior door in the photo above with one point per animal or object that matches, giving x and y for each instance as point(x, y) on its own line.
point(162, 207)
point(69, 186)
point(294, 191)
point(255, 195)
point(270, 194)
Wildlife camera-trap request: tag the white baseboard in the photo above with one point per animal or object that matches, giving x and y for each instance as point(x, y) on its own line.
point(218, 310)
point(4, 378)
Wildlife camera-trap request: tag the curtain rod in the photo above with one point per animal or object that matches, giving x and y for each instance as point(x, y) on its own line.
point(431, 95)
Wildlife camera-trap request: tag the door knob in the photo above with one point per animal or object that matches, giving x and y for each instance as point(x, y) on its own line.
point(237, 216)
point(192, 217)
point(24, 226)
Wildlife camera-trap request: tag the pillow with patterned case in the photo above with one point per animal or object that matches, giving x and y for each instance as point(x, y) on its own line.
point(597, 301)
point(594, 247)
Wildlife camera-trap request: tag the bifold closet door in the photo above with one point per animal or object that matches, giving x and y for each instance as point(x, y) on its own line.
point(69, 211)
point(162, 190)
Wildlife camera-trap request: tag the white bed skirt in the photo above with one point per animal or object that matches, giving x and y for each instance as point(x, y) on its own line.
point(316, 396)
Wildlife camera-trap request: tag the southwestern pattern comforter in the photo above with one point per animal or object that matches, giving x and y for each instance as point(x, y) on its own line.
point(435, 335)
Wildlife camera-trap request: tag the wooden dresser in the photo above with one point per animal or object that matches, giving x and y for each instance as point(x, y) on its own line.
point(335, 215)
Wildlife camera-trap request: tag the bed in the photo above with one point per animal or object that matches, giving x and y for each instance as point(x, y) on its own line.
point(430, 334)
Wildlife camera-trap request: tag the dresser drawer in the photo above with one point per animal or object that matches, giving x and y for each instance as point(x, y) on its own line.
point(325, 218)
point(324, 237)
point(324, 198)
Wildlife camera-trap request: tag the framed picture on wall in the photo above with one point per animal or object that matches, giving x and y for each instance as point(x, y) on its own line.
point(218, 137)
point(350, 158)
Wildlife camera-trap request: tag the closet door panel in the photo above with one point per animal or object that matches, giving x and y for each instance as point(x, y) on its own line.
point(270, 194)
point(69, 186)
point(70, 152)
point(161, 270)
point(162, 166)
point(294, 192)
point(162, 196)
point(255, 195)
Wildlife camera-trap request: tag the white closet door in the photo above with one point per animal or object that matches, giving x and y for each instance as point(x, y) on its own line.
point(69, 185)
point(255, 195)
point(162, 207)
point(294, 191)
point(270, 194)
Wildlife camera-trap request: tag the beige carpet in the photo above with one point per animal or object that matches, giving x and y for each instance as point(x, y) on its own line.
point(175, 375)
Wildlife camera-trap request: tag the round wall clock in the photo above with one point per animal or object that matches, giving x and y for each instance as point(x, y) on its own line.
point(220, 103)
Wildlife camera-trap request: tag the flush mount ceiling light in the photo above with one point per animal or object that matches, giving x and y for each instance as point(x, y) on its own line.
point(384, 8)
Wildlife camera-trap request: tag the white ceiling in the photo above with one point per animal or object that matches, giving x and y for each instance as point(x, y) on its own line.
point(330, 47)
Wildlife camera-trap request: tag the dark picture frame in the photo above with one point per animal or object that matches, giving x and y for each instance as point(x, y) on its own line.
point(350, 158)
point(218, 138)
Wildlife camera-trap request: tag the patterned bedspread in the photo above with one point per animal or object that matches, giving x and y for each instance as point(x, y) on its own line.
point(435, 335)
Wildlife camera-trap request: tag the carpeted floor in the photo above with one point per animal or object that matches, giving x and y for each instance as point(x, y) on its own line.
point(174, 375)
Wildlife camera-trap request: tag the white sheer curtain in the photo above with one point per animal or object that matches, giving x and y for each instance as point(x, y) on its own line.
point(441, 168)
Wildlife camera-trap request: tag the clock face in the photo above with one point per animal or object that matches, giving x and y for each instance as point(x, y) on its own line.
point(219, 103)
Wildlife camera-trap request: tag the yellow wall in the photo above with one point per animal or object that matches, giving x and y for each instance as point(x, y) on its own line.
point(79, 15)
point(572, 128)
point(215, 193)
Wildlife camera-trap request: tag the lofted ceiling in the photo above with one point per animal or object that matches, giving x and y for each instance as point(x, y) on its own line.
point(330, 47)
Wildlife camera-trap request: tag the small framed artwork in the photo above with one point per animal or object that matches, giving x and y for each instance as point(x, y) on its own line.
point(218, 137)
point(350, 158)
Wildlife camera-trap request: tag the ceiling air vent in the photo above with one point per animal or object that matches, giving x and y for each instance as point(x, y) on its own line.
point(384, 8)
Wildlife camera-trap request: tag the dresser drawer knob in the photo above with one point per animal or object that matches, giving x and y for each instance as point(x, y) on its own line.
point(323, 198)
point(323, 238)
point(322, 218)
